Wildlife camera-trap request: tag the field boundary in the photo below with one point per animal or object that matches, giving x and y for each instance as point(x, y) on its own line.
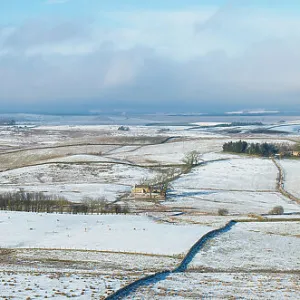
point(156, 277)
point(162, 141)
point(128, 289)
point(280, 183)
point(175, 256)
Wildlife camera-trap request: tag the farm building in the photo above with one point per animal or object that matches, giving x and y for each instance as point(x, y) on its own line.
point(288, 154)
point(296, 153)
point(149, 192)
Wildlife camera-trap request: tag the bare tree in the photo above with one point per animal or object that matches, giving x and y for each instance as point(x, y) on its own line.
point(190, 160)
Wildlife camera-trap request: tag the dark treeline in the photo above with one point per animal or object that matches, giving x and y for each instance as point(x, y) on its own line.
point(264, 149)
point(234, 124)
point(246, 124)
point(39, 202)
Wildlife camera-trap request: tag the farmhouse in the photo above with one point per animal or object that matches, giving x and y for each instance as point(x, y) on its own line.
point(287, 154)
point(296, 153)
point(149, 192)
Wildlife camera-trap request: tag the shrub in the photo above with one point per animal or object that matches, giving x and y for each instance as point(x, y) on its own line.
point(276, 210)
point(190, 160)
point(223, 212)
point(123, 128)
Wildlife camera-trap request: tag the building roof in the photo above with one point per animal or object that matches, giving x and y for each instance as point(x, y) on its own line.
point(142, 186)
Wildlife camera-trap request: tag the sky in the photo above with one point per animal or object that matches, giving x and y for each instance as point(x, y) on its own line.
point(160, 55)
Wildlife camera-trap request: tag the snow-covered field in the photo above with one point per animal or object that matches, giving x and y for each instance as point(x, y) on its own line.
point(75, 181)
point(13, 137)
point(136, 130)
point(169, 153)
point(236, 202)
point(207, 220)
point(251, 261)
point(174, 151)
point(291, 170)
point(289, 128)
point(55, 285)
point(34, 156)
point(89, 256)
point(253, 246)
point(96, 232)
point(243, 174)
point(81, 274)
point(221, 286)
point(80, 158)
point(73, 192)
point(92, 261)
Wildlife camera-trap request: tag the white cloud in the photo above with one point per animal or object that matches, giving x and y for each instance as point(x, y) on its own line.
point(203, 57)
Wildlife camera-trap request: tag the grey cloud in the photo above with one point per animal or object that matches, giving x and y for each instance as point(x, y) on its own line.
point(37, 33)
point(209, 82)
point(266, 75)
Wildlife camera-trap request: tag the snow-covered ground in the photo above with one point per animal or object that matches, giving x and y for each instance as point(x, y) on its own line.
point(73, 192)
point(174, 151)
point(96, 232)
point(34, 156)
point(253, 246)
point(251, 261)
point(36, 136)
point(88, 256)
point(91, 261)
point(76, 173)
point(207, 220)
point(75, 181)
point(81, 158)
point(236, 202)
point(55, 285)
point(136, 130)
point(63, 273)
point(291, 168)
point(168, 153)
point(289, 128)
point(243, 174)
point(221, 286)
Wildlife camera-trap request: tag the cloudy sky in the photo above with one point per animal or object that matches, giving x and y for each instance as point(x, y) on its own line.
point(158, 55)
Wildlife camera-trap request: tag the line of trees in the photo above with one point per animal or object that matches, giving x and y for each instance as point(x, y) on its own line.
point(263, 149)
point(234, 124)
point(39, 202)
